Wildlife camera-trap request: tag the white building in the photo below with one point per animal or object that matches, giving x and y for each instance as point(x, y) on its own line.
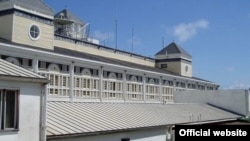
point(32, 38)
point(80, 70)
point(21, 106)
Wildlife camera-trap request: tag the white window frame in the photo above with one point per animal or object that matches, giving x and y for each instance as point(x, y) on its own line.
point(39, 34)
point(3, 93)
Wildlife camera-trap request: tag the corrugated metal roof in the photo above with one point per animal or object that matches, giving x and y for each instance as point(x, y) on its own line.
point(10, 70)
point(67, 118)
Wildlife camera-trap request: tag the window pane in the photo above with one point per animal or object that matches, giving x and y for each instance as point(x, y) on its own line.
point(10, 109)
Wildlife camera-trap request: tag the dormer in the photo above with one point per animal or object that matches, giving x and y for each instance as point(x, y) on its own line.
point(175, 59)
point(28, 22)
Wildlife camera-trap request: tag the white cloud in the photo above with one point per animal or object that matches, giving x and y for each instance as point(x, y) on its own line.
point(103, 36)
point(239, 85)
point(185, 31)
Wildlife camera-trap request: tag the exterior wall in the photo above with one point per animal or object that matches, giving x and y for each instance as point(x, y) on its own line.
point(145, 135)
point(6, 26)
point(91, 49)
point(232, 100)
point(29, 112)
point(173, 67)
point(21, 33)
point(183, 69)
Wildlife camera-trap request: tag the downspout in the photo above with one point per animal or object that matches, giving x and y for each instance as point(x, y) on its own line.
point(44, 112)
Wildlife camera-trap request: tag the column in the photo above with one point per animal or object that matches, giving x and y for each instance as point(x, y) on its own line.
point(124, 85)
point(160, 89)
point(144, 87)
point(101, 82)
point(71, 81)
point(35, 64)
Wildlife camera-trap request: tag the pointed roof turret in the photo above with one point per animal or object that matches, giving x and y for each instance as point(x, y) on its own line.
point(173, 48)
point(69, 16)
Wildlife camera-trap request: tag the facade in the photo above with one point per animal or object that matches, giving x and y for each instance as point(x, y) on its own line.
point(91, 83)
point(80, 69)
point(21, 104)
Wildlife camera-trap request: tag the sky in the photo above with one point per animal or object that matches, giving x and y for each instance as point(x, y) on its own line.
point(215, 32)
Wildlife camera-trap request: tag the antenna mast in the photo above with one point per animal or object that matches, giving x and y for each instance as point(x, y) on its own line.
point(116, 24)
point(132, 44)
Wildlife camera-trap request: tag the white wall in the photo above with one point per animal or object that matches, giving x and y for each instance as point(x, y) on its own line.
point(233, 100)
point(139, 135)
point(29, 112)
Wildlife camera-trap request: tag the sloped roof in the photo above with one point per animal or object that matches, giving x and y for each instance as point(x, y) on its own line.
point(68, 118)
point(37, 5)
point(68, 15)
point(173, 48)
point(9, 71)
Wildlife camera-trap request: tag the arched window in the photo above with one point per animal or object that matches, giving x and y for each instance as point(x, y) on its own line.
point(166, 83)
point(151, 81)
point(112, 76)
point(86, 72)
point(54, 68)
point(133, 78)
point(13, 61)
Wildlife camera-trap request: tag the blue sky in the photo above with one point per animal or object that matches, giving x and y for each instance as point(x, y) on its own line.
point(215, 32)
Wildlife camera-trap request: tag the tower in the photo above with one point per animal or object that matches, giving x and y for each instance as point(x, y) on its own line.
point(174, 59)
point(28, 22)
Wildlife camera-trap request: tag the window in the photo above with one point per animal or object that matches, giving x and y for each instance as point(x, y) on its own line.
point(34, 32)
point(9, 103)
point(186, 68)
point(125, 139)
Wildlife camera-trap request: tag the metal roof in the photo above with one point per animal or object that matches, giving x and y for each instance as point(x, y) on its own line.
point(173, 48)
point(68, 118)
point(37, 5)
point(9, 71)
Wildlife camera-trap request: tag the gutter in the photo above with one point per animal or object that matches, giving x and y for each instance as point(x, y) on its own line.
point(24, 79)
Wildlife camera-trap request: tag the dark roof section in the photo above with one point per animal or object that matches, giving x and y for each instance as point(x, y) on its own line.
point(37, 5)
point(173, 48)
point(67, 15)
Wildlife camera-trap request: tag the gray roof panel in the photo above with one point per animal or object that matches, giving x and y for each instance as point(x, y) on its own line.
point(173, 48)
point(9, 70)
point(85, 118)
point(37, 5)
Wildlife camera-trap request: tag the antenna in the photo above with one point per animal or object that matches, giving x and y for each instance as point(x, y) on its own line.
point(132, 44)
point(163, 42)
point(116, 24)
point(116, 33)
